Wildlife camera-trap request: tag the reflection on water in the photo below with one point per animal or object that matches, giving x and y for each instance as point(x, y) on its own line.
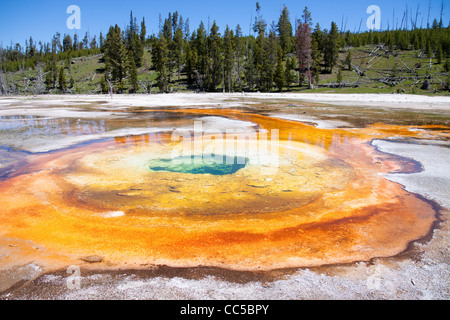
point(32, 125)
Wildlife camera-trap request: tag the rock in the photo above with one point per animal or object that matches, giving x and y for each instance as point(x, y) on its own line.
point(256, 186)
point(174, 189)
point(92, 259)
point(426, 85)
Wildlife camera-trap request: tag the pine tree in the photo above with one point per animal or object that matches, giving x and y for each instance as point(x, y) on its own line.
point(339, 77)
point(348, 60)
point(439, 54)
point(62, 81)
point(143, 34)
point(307, 17)
point(280, 72)
point(258, 53)
point(48, 81)
point(67, 43)
point(447, 65)
point(116, 56)
point(133, 76)
point(229, 47)
point(284, 29)
point(200, 45)
point(428, 49)
point(75, 45)
point(178, 49)
point(316, 56)
point(290, 71)
point(104, 85)
point(191, 60)
point(331, 47)
point(238, 55)
point(52, 74)
point(101, 43)
point(270, 60)
point(215, 58)
point(161, 61)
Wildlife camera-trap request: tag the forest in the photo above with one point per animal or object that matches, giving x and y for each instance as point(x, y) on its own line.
point(272, 57)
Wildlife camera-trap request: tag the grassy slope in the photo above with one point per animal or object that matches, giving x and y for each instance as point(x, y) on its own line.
point(381, 67)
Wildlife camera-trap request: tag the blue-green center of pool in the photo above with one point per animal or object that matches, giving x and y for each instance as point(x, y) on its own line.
point(215, 164)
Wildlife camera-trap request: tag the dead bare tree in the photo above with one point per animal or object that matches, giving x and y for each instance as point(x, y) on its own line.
point(405, 65)
point(40, 86)
point(3, 91)
point(147, 85)
point(26, 81)
point(3, 83)
point(110, 86)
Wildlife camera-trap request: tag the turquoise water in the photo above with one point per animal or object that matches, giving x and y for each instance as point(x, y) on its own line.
point(216, 165)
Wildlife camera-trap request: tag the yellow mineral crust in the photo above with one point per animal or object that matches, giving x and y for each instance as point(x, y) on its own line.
point(326, 202)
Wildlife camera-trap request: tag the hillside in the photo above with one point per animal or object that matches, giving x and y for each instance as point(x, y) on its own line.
point(402, 71)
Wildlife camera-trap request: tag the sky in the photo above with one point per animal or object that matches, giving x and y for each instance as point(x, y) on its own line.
point(41, 19)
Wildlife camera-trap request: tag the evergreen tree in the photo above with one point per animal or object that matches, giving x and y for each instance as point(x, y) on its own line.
point(133, 76)
point(67, 43)
point(291, 65)
point(191, 60)
point(258, 53)
point(331, 47)
point(178, 49)
point(48, 81)
point(51, 73)
point(348, 60)
point(280, 72)
point(439, 54)
point(270, 60)
point(62, 81)
point(143, 34)
point(215, 59)
point(319, 37)
point(116, 56)
point(428, 49)
point(104, 85)
point(101, 43)
point(307, 17)
point(229, 47)
point(71, 82)
point(93, 43)
point(284, 29)
point(239, 55)
point(161, 62)
point(316, 56)
point(200, 45)
point(447, 65)
point(339, 76)
point(75, 46)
